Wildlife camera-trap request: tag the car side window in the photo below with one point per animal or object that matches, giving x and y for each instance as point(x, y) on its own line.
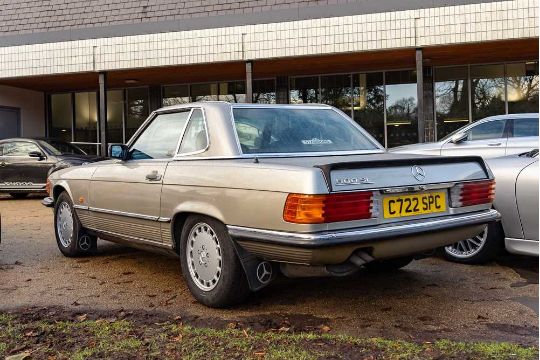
point(160, 139)
point(19, 148)
point(488, 130)
point(195, 137)
point(525, 127)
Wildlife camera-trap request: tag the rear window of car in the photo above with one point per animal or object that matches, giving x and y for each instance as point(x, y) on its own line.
point(525, 127)
point(289, 130)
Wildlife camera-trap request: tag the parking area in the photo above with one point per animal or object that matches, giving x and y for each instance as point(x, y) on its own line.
point(427, 300)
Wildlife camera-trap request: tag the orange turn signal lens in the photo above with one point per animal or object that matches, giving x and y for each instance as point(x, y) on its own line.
point(318, 209)
point(48, 186)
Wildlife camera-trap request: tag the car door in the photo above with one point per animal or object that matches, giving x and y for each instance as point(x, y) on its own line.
point(487, 139)
point(125, 195)
point(523, 135)
point(19, 170)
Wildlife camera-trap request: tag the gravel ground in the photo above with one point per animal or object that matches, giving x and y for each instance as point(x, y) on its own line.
point(428, 300)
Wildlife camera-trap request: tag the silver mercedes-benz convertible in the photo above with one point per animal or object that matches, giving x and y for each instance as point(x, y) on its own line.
point(241, 191)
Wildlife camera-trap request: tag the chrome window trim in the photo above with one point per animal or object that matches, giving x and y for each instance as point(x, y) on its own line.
point(303, 107)
point(128, 214)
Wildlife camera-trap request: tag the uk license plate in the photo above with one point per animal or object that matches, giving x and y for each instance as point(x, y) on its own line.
point(414, 204)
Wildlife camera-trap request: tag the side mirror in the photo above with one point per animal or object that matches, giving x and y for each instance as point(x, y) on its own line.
point(118, 151)
point(458, 138)
point(36, 154)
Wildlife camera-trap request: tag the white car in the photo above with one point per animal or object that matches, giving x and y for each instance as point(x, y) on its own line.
point(491, 137)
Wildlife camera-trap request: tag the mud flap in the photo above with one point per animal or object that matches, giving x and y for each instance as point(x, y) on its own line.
point(259, 272)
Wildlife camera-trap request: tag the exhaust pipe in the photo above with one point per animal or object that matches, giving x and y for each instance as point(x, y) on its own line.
point(352, 265)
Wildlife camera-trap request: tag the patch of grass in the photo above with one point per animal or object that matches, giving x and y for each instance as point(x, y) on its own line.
point(97, 339)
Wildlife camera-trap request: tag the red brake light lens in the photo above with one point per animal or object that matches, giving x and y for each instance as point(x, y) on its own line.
point(473, 193)
point(317, 209)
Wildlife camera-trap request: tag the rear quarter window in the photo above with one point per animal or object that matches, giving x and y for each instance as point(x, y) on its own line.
point(525, 127)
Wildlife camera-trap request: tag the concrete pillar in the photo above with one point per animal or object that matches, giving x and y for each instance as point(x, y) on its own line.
point(420, 94)
point(249, 81)
point(429, 104)
point(103, 149)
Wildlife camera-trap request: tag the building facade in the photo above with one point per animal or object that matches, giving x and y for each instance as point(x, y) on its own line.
point(415, 70)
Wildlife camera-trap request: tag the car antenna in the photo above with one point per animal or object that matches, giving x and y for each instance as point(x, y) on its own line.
point(256, 160)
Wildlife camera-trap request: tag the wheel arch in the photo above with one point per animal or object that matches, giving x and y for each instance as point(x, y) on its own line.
point(183, 212)
point(59, 188)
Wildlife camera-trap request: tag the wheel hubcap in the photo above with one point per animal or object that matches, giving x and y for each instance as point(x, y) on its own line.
point(64, 224)
point(204, 256)
point(468, 247)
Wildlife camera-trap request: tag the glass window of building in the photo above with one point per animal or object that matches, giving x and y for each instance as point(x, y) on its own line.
point(115, 116)
point(487, 89)
point(401, 102)
point(522, 87)
point(137, 108)
point(233, 91)
point(336, 91)
point(86, 117)
point(264, 91)
point(61, 117)
point(368, 103)
point(451, 99)
point(304, 90)
point(204, 92)
point(175, 94)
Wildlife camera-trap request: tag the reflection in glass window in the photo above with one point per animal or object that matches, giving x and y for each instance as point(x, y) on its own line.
point(336, 91)
point(264, 91)
point(368, 103)
point(487, 88)
point(233, 92)
point(401, 102)
point(175, 94)
point(304, 90)
point(19, 148)
point(115, 116)
point(525, 127)
point(160, 139)
point(522, 87)
point(277, 130)
point(488, 130)
point(204, 92)
point(61, 116)
point(86, 117)
point(194, 138)
point(451, 99)
point(137, 109)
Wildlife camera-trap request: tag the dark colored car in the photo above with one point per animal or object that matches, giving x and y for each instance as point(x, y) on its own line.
point(25, 163)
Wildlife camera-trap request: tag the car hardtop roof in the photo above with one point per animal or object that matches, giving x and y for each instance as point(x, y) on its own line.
point(225, 104)
point(509, 116)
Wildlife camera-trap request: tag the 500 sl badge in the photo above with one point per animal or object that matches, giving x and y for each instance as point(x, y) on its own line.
point(353, 181)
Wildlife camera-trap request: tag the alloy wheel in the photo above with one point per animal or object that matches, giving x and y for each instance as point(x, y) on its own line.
point(64, 224)
point(204, 256)
point(468, 247)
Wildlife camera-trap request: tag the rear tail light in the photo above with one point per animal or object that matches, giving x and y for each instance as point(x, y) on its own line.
point(317, 209)
point(473, 193)
point(48, 186)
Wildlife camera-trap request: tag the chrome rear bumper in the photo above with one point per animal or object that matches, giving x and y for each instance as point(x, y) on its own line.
point(365, 234)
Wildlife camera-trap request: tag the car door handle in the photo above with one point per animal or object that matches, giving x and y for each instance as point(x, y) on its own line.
point(494, 144)
point(153, 176)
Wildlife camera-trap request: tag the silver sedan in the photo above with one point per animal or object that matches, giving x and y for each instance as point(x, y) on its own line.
point(491, 137)
point(516, 198)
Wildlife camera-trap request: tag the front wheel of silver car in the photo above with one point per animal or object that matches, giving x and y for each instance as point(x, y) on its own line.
point(209, 263)
point(479, 249)
point(71, 238)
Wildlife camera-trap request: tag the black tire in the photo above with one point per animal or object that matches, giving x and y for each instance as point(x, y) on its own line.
point(18, 195)
point(492, 245)
point(80, 243)
point(231, 286)
point(389, 265)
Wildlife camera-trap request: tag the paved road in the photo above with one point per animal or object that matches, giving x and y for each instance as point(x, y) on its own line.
point(429, 299)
